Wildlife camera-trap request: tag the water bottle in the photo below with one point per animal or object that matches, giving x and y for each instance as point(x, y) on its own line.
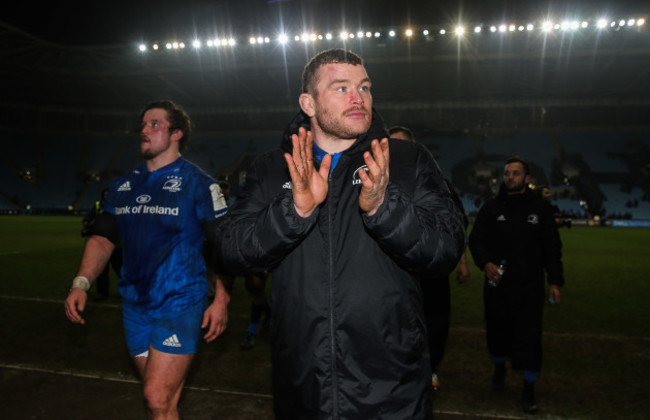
point(501, 268)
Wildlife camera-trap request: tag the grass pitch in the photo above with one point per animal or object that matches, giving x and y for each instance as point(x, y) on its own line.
point(596, 360)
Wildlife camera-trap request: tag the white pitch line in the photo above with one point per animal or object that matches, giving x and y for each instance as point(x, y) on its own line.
point(115, 378)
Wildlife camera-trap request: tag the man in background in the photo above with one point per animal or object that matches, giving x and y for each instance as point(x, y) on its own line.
point(514, 239)
point(436, 293)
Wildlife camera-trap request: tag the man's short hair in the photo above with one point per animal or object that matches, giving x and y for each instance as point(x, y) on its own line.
point(401, 129)
point(177, 118)
point(334, 55)
point(515, 159)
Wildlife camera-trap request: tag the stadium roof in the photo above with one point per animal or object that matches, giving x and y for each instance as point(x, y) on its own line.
point(510, 76)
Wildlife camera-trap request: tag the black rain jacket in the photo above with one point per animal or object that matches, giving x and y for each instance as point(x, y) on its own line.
point(348, 334)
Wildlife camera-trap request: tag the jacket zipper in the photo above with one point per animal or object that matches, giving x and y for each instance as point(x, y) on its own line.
point(335, 402)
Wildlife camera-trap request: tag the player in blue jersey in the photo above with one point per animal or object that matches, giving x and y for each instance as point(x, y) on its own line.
point(162, 212)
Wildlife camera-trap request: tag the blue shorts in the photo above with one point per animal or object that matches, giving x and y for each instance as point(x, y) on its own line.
point(173, 332)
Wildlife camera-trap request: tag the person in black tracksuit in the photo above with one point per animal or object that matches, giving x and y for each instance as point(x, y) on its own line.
point(345, 248)
point(517, 229)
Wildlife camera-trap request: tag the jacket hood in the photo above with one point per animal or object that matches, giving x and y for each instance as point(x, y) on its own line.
point(377, 131)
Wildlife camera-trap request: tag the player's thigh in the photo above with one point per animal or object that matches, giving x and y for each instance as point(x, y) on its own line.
point(166, 371)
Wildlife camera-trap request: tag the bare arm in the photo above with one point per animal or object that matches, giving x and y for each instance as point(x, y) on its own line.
point(96, 255)
point(215, 318)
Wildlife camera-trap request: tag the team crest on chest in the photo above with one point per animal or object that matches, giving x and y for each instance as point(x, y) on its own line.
point(533, 219)
point(355, 177)
point(173, 183)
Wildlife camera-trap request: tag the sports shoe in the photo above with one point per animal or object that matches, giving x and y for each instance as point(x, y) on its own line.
point(528, 398)
point(248, 342)
point(499, 377)
point(435, 382)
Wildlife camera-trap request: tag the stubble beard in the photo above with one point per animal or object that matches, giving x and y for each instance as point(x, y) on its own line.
point(336, 127)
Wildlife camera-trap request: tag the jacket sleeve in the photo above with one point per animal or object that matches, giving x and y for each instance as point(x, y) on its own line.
point(261, 227)
point(479, 238)
point(552, 249)
point(421, 229)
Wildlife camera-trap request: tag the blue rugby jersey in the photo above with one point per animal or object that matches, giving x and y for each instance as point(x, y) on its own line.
point(159, 215)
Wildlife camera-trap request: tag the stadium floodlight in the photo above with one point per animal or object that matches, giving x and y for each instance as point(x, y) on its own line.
point(575, 25)
point(640, 22)
point(425, 32)
point(547, 26)
point(631, 22)
point(477, 29)
point(503, 28)
point(611, 25)
point(260, 40)
point(408, 32)
point(267, 39)
point(313, 37)
point(493, 28)
point(602, 23)
point(621, 23)
point(142, 48)
point(155, 47)
point(530, 27)
point(351, 36)
point(320, 37)
point(296, 38)
point(181, 45)
point(584, 24)
point(565, 25)
point(232, 42)
point(360, 34)
point(304, 37)
point(252, 40)
point(196, 44)
point(520, 28)
point(557, 26)
point(343, 35)
point(368, 34)
point(168, 45)
point(328, 36)
point(443, 31)
point(210, 43)
point(391, 33)
point(459, 30)
point(512, 28)
point(377, 34)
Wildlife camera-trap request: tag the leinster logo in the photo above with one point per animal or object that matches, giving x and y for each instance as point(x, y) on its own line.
point(533, 219)
point(143, 199)
point(355, 178)
point(173, 184)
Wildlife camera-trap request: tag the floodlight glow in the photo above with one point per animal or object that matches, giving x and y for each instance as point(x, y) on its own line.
point(359, 34)
point(210, 43)
point(477, 29)
point(631, 22)
point(409, 32)
point(621, 23)
point(304, 37)
point(267, 39)
point(313, 37)
point(232, 42)
point(168, 46)
point(493, 28)
point(575, 25)
point(252, 41)
point(351, 36)
point(182, 45)
point(283, 38)
point(520, 28)
point(260, 40)
point(460, 30)
point(155, 47)
point(224, 42)
point(547, 26)
point(511, 28)
point(196, 43)
point(320, 37)
point(612, 24)
point(142, 48)
point(601, 23)
point(443, 31)
point(556, 26)
point(296, 38)
point(530, 27)
point(502, 28)
point(328, 36)
point(584, 24)
point(368, 34)
point(377, 34)
point(343, 35)
point(391, 33)
point(425, 32)
point(640, 22)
